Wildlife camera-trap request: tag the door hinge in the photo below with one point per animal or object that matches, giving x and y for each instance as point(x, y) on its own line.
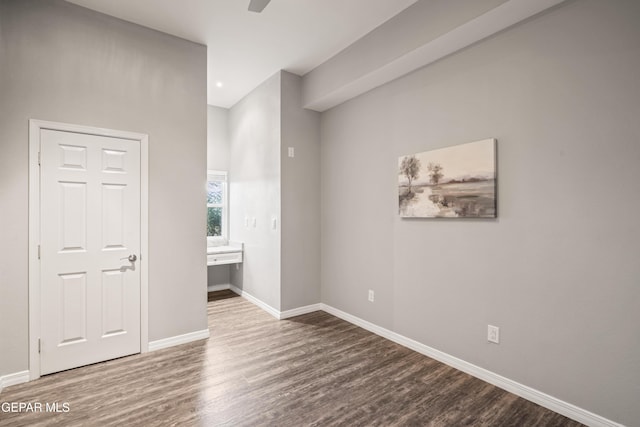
point(38, 251)
point(39, 158)
point(39, 346)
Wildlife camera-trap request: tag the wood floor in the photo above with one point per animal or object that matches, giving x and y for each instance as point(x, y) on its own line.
point(312, 370)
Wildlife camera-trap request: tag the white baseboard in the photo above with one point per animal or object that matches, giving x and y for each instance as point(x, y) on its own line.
point(300, 311)
point(280, 315)
point(179, 339)
point(13, 379)
point(23, 377)
point(263, 305)
point(214, 288)
point(561, 407)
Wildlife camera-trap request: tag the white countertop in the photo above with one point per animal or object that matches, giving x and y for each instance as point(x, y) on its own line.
point(231, 247)
point(226, 249)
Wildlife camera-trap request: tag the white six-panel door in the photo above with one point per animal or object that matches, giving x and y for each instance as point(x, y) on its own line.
point(90, 235)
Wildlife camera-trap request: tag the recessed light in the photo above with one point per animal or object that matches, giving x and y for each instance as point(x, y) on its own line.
point(218, 84)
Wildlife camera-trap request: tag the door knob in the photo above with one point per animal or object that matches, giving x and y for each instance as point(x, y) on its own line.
point(131, 258)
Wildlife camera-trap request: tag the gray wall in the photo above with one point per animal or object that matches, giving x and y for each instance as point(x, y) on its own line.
point(410, 29)
point(281, 265)
point(218, 275)
point(300, 225)
point(558, 269)
point(217, 138)
point(64, 63)
point(254, 190)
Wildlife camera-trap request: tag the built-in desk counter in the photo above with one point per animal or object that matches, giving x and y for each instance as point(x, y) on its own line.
point(227, 254)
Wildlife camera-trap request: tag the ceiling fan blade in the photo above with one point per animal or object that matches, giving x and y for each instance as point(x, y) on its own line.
point(258, 5)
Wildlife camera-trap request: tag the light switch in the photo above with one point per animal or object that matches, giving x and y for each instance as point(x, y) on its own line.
point(291, 152)
point(254, 222)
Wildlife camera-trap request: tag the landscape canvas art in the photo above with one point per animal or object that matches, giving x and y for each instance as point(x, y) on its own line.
point(452, 182)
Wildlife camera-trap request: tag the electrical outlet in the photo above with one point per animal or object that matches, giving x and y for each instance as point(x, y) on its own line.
point(493, 334)
point(371, 295)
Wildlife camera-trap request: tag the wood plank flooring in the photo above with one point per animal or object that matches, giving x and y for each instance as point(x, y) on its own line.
point(312, 370)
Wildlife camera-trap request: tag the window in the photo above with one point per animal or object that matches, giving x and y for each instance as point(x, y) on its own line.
point(217, 208)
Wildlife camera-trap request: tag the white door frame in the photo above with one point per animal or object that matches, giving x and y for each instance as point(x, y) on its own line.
point(35, 126)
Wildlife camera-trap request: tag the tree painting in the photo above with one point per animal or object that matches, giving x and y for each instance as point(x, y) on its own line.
point(457, 181)
point(410, 168)
point(435, 172)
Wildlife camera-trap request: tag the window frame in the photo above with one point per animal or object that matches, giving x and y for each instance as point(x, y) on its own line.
point(223, 177)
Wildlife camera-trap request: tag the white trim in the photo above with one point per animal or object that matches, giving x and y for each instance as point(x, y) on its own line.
point(34, 241)
point(179, 339)
point(300, 311)
point(280, 315)
point(13, 379)
point(215, 288)
point(35, 126)
point(144, 243)
point(561, 407)
point(263, 305)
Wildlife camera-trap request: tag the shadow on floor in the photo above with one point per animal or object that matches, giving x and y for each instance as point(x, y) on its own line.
point(220, 295)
